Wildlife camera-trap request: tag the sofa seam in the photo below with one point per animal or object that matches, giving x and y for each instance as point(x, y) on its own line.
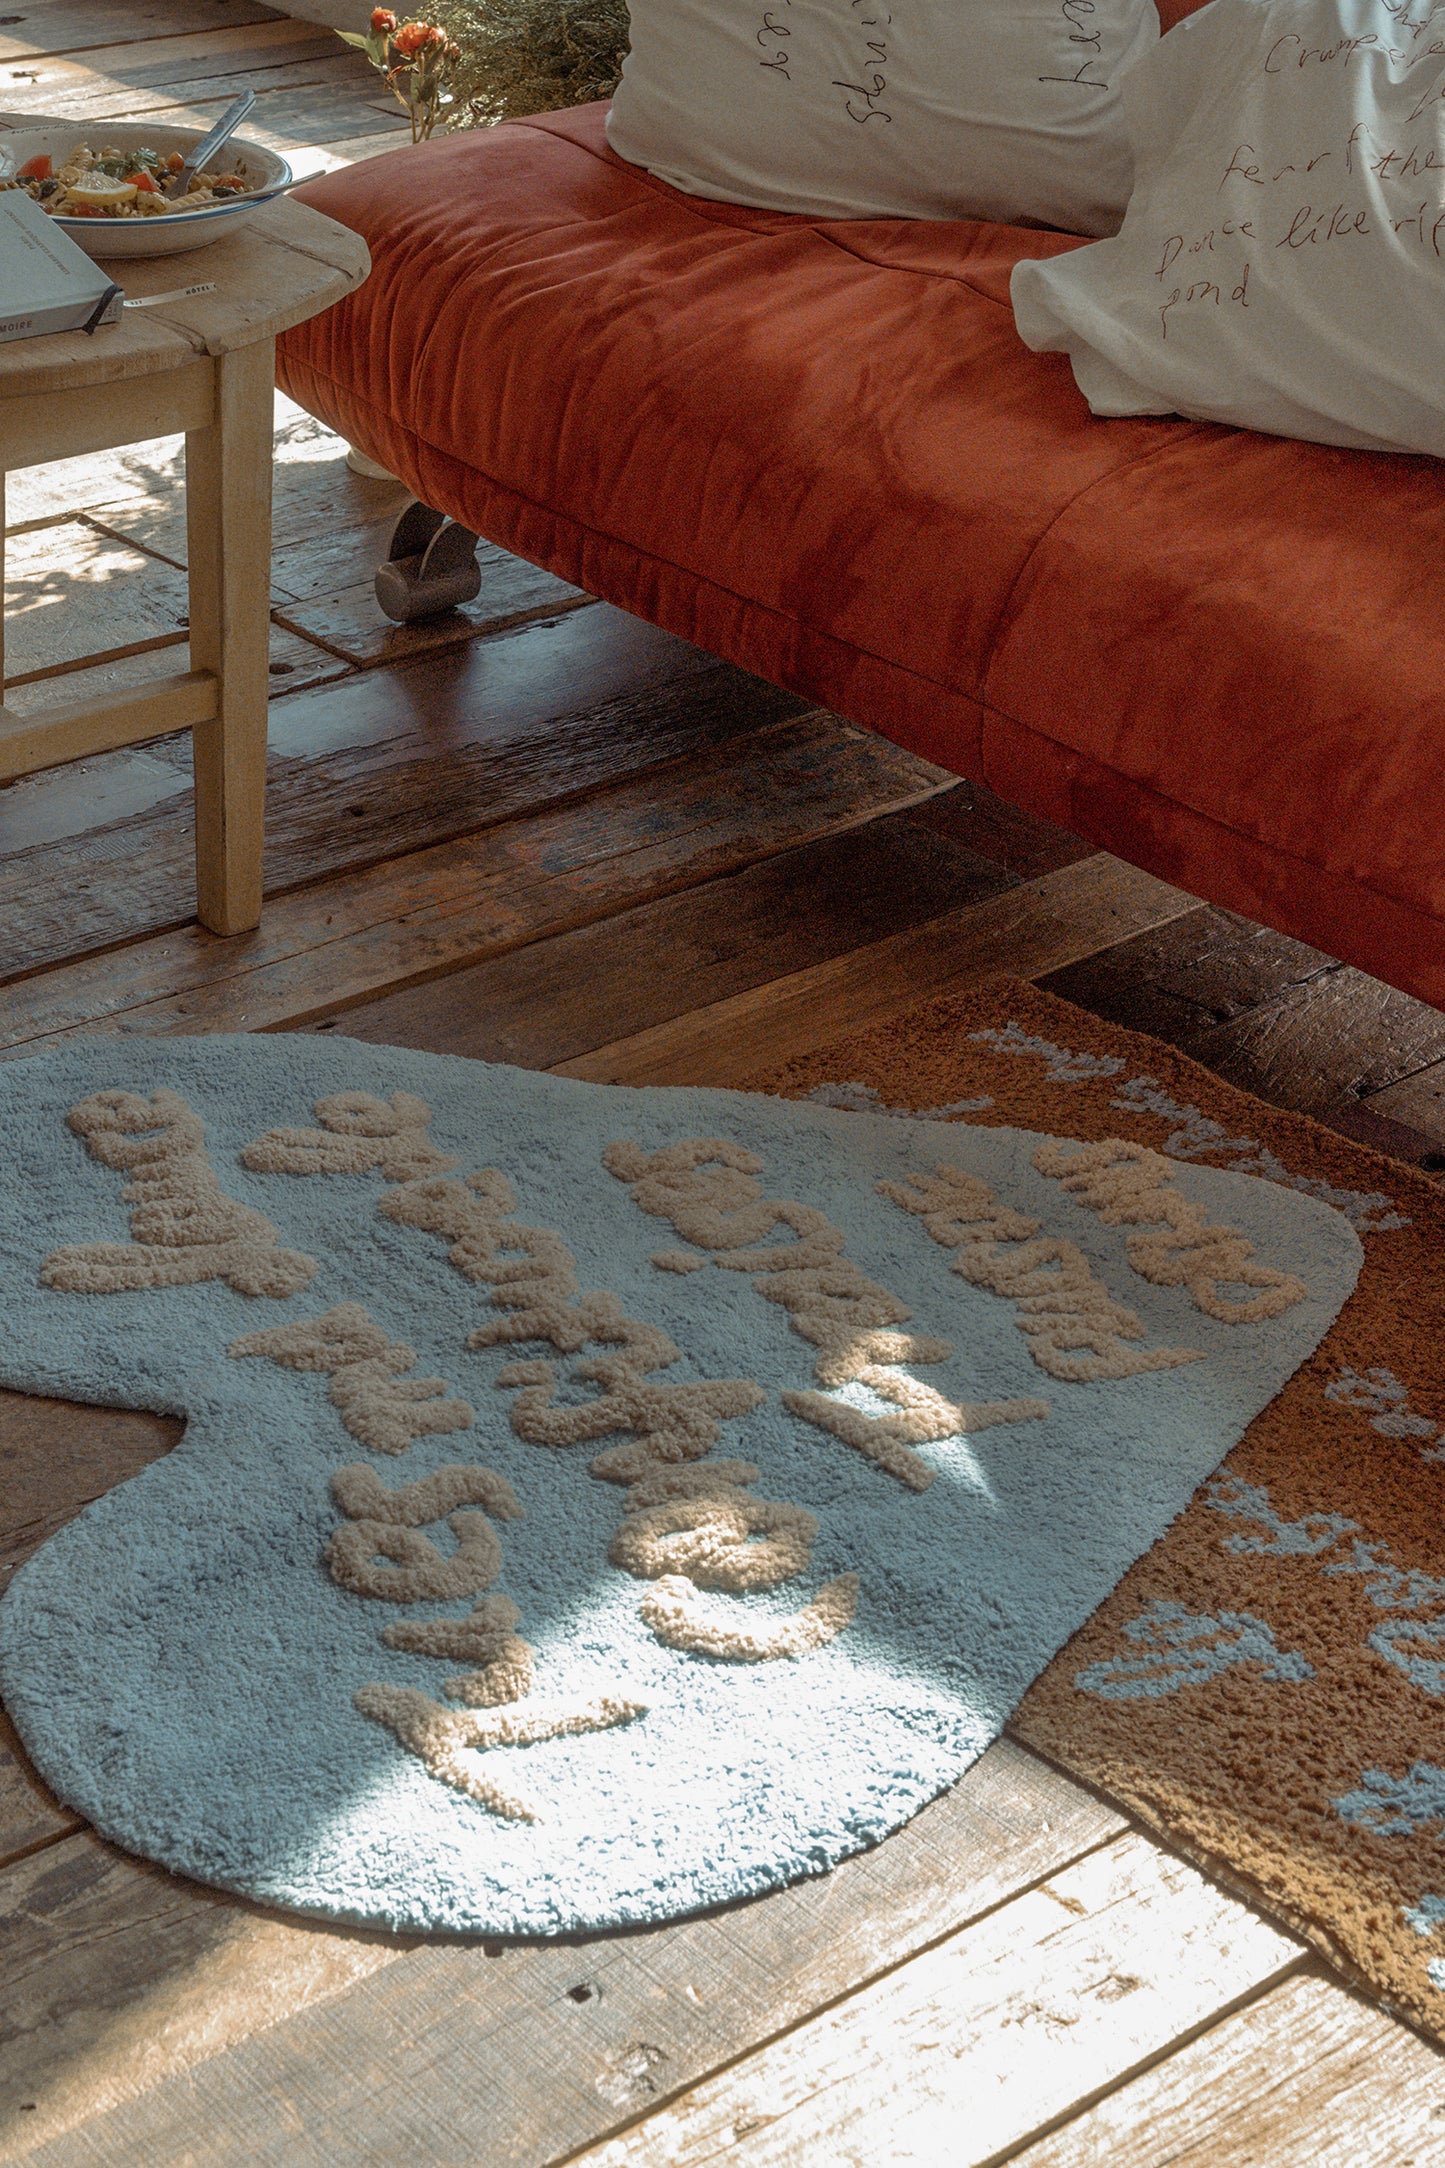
point(1187, 431)
point(582, 527)
point(918, 271)
point(1211, 820)
point(649, 185)
point(989, 710)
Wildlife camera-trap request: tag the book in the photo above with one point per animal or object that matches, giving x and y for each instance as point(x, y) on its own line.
point(46, 282)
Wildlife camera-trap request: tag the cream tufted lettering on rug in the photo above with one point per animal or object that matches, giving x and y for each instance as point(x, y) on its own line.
point(688, 1528)
point(387, 1523)
point(706, 1526)
point(1076, 1330)
point(707, 1188)
point(672, 1611)
point(705, 1535)
point(533, 1277)
point(1130, 1185)
point(379, 1405)
point(484, 1637)
point(358, 1132)
point(439, 1737)
point(185, 1227)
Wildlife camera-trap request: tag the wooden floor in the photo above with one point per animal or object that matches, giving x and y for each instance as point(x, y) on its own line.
point(542, 831)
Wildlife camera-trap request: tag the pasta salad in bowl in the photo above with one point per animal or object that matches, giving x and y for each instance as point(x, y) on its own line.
point(108, 184)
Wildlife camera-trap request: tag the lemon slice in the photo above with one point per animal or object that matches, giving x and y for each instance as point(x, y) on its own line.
point(102, 195)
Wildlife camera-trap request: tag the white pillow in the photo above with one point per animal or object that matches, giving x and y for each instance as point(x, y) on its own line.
point(997, 109)
point(1282, 263)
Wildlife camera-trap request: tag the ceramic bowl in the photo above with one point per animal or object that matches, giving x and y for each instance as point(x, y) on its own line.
point(160, 235)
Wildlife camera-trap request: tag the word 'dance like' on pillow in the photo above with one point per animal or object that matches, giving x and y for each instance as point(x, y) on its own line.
point(1282, 263)
point(992, 109)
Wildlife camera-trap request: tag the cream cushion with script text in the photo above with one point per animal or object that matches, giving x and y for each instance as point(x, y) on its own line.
point(990, 109)
point(1282, 263)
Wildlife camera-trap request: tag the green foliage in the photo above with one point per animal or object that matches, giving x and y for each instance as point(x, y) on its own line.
point(531, 56)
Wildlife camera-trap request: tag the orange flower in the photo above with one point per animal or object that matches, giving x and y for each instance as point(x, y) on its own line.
point(382, 20)
point(412, 37)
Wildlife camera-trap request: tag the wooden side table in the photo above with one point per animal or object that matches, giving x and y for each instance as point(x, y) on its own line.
point(205, 366)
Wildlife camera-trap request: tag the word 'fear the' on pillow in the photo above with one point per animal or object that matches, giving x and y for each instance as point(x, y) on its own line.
point(1282, 262)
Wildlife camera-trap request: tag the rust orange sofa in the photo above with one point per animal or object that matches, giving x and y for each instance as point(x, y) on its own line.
point(821, 451)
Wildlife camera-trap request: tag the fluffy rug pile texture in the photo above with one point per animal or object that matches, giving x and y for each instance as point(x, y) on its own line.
point(596, 1504)
point(1267, 1686)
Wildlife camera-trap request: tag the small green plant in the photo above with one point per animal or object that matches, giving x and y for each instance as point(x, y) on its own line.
point(533, 56)
point(491, 60)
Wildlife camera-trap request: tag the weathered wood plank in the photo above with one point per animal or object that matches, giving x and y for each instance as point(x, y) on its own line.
point(1336, 1038)
point(137, 492)
point(74, 592)
point(1356, 1118)
point(323, 515)
point(316, 112)
point(351, 624)
point(118, 1974)
point(513, 2055)
point(67, 733)
point(330, 156)
point(1264, 1011)
point(1418, 1100)
point(29, 1815)
point(1218, 987)
point(56, 1456)
point(73, 26)
point(971, 2047)
point(1305, 2076)
point(340, 941)
point(1034, 927)
point(977, 818)
point(31, 82)
point(71, 591)
point(140, 92)
point(327, 560)
point(331, 529)
point(553, 999)
point(295, 665)
point(1181, 980)
point(133, 473)
point(385, 765)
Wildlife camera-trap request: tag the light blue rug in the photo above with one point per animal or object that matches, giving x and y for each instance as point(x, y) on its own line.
point(740, 1501)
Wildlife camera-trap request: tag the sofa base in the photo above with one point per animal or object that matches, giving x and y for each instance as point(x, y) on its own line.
point(820, 452)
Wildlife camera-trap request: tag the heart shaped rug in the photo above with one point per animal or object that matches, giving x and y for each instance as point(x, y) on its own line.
point(595, 1504)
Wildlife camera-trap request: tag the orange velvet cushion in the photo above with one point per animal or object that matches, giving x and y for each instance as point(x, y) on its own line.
point(833, 423)
point(1174, 11)
point(821, 450)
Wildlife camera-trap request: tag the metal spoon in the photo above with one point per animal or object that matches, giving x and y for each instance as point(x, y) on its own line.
point(279, 188)
point(208, 146)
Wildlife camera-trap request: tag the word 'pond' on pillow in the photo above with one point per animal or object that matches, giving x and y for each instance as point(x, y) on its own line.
point(1282, 263)
point(996, 109)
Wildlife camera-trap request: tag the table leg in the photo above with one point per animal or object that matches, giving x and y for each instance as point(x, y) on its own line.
point(228, 529)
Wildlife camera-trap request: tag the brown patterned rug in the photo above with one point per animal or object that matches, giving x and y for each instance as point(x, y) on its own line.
point(1267, 1686)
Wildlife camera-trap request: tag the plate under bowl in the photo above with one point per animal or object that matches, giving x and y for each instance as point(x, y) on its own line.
point(162, 235)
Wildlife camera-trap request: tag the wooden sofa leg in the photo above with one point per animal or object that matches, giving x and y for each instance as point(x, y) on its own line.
point(432, 566)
